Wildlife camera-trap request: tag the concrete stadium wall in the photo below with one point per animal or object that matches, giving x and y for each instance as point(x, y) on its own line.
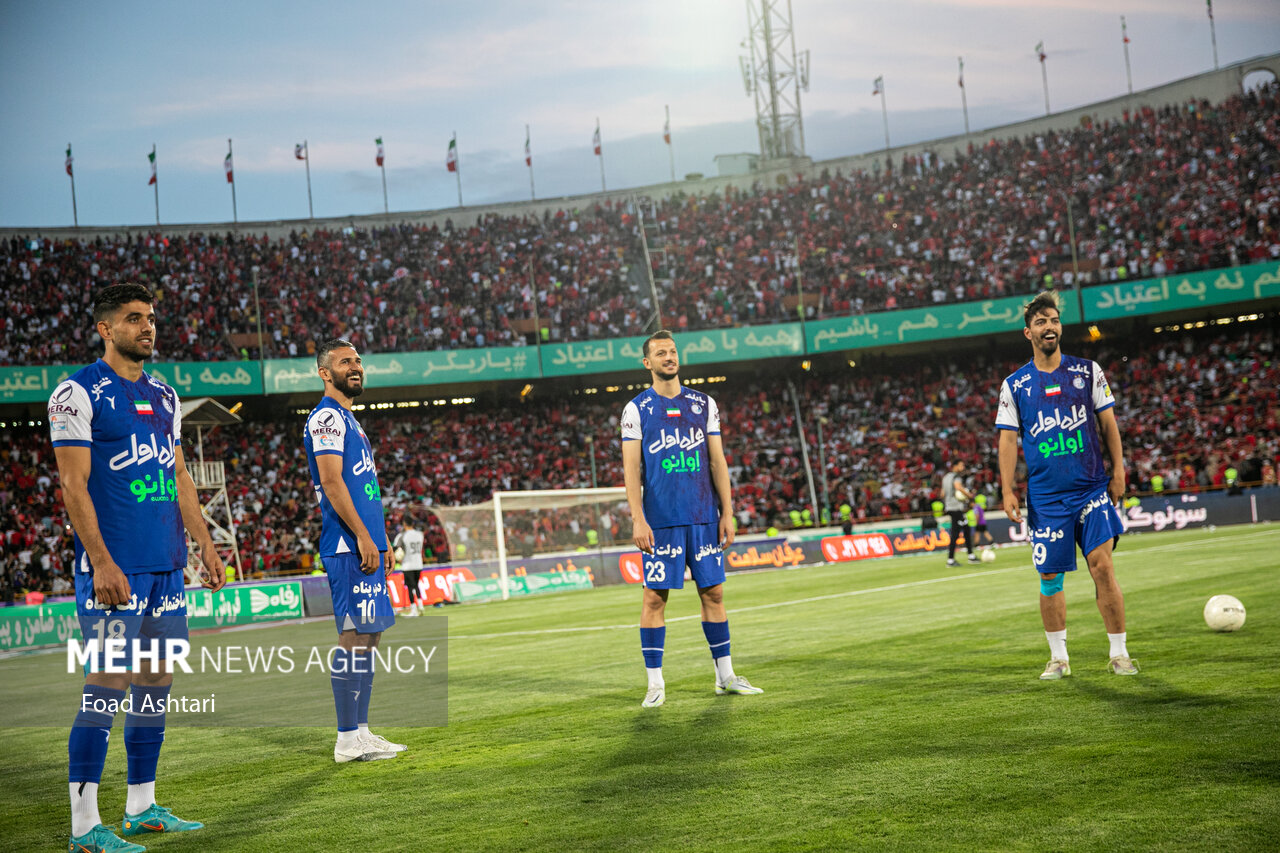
point(1212, 86)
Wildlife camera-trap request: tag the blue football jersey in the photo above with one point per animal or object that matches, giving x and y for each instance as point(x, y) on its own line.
point(133, 431)
point(1055, 414)
point(331, 429)
point(673, 461)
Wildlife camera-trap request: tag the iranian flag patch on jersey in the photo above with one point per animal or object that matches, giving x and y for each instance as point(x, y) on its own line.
point(1052, 390)
point(673, 413)
point(144, 407)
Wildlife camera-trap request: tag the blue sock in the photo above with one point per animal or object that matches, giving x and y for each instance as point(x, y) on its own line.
point(144, 732)
point(651, 642)
point(366, 690)
point(87, 746)
point(346, 684)
point(717, 634)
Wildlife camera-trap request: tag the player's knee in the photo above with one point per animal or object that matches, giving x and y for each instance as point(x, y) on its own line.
point(712, 594)
point(1051, 584)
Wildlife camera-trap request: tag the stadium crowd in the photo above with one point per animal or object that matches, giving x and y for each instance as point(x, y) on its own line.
point(1185, 187)
point(1190, 405)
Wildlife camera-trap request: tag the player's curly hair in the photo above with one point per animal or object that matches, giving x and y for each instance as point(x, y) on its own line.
point(1043, 302)
point(109, 300)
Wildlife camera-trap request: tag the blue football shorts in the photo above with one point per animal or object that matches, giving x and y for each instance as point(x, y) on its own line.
point(157, 611)
point(1059, 526)
point(696, 546)
point(361, 602)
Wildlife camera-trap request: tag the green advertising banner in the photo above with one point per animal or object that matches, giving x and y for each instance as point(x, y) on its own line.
point(289, 375)
point(590, 357)
point(705, 347)
point(243, 605)
point(926, 324)
point(30, 626)
point(534, 583)
point(1174, 293)
point(189, 378)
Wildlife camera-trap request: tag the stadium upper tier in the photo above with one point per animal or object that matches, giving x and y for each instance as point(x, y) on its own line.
point(1187, 187)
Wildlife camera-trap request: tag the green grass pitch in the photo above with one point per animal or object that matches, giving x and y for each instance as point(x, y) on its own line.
point(902, 711)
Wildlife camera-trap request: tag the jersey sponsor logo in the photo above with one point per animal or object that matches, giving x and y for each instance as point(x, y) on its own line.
point(1052, 390)
point(60, 402)
point(328, 419)
point(1020, 383)
point(364, 466)
point(137, 453)
point(328, 441)
point(59, 423)
point(683, 463)
point(1062, 444)
point(99, 387)
point(161, 490)
point(1074, 418)
point(647, 404)
point(688, 441)
point(144, 407)
point(1079, 368)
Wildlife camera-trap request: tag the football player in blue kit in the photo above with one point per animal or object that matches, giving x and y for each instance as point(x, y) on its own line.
point(117, 438)
point(353, 543)
point(682, 510)
point(1052, 403)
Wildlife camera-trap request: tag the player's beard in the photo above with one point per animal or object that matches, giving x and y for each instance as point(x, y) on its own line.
point(1047, 349)
point(132, 350)
point(663, 376)
point(344, 385)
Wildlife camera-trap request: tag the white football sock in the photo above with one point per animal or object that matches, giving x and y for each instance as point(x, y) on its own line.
point(84, 807)
point(655, 676)
point(347, 738)
point(141, 797)
point(724, 669)
point(1057, 644)
point(1117, 645)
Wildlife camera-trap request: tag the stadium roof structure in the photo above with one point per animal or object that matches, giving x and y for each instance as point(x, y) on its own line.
point(205, 413)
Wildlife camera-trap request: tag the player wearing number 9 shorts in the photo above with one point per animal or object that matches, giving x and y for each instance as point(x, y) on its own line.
point(682, 510)
point(353, 543)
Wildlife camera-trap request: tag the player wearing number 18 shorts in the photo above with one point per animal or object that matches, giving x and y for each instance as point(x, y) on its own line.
point(682, 510)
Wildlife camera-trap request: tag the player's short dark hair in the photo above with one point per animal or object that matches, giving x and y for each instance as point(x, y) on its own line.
point(1043, 302)
point(322, 352)
point(110, 299)
point(660, 335)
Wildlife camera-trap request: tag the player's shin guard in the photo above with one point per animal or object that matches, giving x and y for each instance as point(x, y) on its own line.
point(366, 690)
point(87, 746)
point(652, 641)
point(143, 737)
point(346, 688)
point(717, 634)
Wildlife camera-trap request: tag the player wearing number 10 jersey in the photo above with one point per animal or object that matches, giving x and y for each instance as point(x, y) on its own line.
point(353, 542)
point(682, 510)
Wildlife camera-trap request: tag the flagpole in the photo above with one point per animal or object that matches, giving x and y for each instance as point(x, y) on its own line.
point(600, 155)
point(964, 98)
point(671, 154)
point(1213, 34)
point(528, 159)
point(71, 173)
point(1124, 37)
point(884, 110)
point(457, 171)
point(235, 218)
point(306, 149)
point(385, 207)
point(155, 184)
point(1044, 76)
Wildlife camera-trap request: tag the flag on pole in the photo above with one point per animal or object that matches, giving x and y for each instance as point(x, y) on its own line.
point(1040, 51)
point(1209, 3)
point(879, 85)
point(666, 131)
point(595, 141)
point(961, 83)
point(451, 157)
point(70, 159)
point(528, 152)
point(300, 151)
point(1124, 30)
point(152, 159)
point(226, 164)
point(381, 154)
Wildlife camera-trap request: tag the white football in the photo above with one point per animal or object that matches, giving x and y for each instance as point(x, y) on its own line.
point(988, 555)
point(399, 555)
point(1224, 613)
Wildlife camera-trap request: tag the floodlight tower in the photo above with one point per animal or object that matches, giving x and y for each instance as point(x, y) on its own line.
point(775, 74)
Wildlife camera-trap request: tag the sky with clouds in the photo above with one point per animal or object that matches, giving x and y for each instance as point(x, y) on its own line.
point(114, 79)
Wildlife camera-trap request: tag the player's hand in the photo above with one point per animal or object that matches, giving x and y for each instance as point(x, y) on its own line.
point(369, 554)
point(1116, 487)
point(726, 531)
point(110, 586)
point(642, 535)
point(214, 576)
point(1011, 507)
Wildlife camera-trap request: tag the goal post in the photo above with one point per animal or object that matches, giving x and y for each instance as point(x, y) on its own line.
point(538, 523)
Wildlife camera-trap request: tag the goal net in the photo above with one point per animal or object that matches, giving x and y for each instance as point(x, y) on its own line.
point(521, 543)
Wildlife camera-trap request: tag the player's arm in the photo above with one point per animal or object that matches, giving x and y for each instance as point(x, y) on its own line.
point(1008, 451)
point(110, 586)
point(193, 520)
point(335, 489)
point(724, 489)
point(641, 532)
point(1110, 432)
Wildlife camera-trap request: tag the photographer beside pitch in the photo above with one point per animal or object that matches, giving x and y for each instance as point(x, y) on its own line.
point(1052, 403)
point(117, 435)
point(672, 452)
